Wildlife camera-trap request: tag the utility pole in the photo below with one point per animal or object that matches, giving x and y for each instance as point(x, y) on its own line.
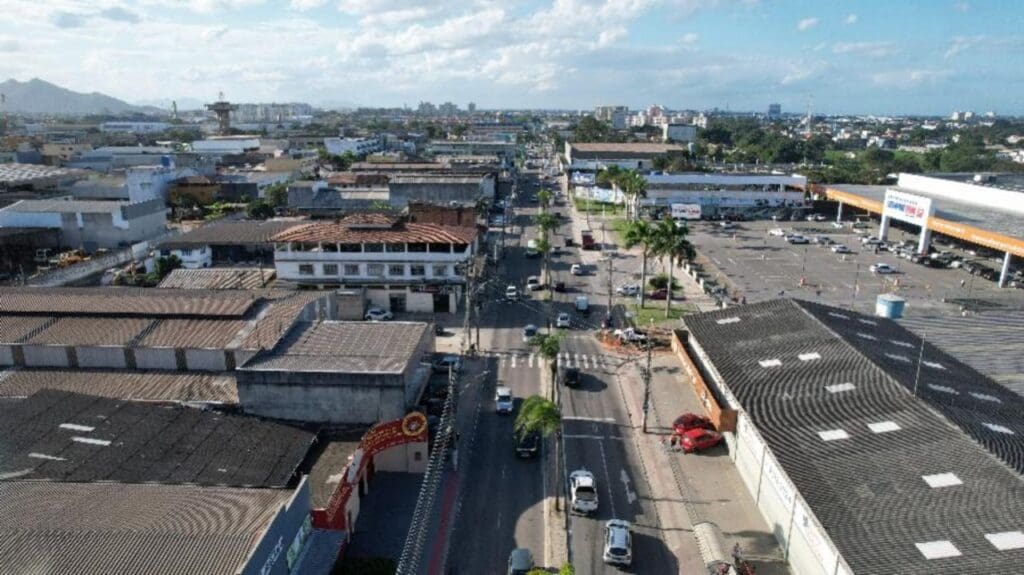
point(610, 281)
point(647, 386)
point(920, 358)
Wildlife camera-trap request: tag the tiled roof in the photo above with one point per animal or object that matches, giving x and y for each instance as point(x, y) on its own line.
point(404, 233)
point(193, 333)
point(218, 278)
point(244, 232)
point(14, 329)
point(857, 444)
point(275, 322)
point(91, 331)
point(124, 301)
point(123, 384)
point(112, 528)
point(344, 346)
point(357, 179)
point(64, 436)
point(369, 219)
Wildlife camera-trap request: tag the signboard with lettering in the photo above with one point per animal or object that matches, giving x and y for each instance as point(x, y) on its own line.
point(685, 211)
point(906, 207)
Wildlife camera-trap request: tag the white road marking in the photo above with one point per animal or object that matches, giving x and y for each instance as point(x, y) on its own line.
point(532, 356)
point(624, 477)
point(514, 360)
point(581, 418)
point(597, 437)
point(608, 479)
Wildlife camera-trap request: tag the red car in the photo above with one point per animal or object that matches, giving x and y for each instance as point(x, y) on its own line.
point(688, 421)
point(660, 294)
point(700, 439)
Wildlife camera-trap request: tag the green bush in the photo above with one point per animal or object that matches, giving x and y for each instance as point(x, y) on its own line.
point(660, 281)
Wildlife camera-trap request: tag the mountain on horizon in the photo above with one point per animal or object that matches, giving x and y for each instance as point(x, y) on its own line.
point(41, 97)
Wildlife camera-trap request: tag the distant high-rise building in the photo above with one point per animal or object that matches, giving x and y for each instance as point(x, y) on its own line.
point(471, 107)
point(774, 110)
point(448, 109)
point(616, 115)
point(427, 109)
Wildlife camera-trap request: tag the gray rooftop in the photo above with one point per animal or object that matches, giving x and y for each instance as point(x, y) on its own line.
point(67, 206)
point(345, 347)
point(105, 528)
point(1005, 223)
point(800, 370)
point(61, 436)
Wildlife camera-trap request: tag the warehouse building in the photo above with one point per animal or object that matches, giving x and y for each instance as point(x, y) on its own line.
point(90, 225)
point(866, 449)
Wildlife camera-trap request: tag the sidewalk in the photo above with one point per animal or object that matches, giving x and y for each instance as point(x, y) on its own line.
point(691, 488)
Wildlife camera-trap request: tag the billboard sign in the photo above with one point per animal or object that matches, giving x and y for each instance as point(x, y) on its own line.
point(685, 211)
point(906, 207)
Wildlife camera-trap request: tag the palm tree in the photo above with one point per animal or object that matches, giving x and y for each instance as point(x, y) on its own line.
point(543, 246)
point(549, 345)
point(546, 222)
point(543, 416)
point(608, 175)
point(633, 186)
point(544, 197)
point(670, 242)
point(641, 233)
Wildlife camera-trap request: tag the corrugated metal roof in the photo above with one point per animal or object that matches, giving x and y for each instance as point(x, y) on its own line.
point(631, 148)
point(124, 301)
point(114, 529)
point(218, 278)
point(91, 331)
point(231, 233)
point(403, 233)
point(104, 439)
point(193, 333)
point(344, 346)
point(67, 206)
point(123, 384)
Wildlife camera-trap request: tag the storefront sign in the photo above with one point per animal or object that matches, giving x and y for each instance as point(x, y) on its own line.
point(907, 207)
point(685, 211)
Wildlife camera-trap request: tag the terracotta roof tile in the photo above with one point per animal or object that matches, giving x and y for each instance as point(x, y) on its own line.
point(405, 233)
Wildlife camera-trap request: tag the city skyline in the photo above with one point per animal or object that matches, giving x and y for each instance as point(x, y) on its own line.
point(927, 58)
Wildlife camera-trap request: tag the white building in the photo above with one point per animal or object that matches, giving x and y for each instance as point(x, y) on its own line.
point(134, 127)
point(149, 182)
point(679, 133)
point(403, 266)
point(226, 145)
point(90, 225)
point(357, 146)
point(716, 193)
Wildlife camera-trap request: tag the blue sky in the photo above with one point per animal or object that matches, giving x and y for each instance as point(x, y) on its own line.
point(880, 57)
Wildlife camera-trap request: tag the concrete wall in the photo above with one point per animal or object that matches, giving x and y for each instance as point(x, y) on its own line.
point(321, 397)
point(289, 529)
point(419, 302)
point(46, 356)
point(206, 359)
point(155, 358)
point(405, 458)
point(101, 356)
point(6, 355)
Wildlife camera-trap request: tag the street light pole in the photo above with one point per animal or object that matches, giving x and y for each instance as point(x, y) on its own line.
point(647, 386)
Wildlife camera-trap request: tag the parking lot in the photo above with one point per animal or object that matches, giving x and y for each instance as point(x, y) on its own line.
point(755, 265)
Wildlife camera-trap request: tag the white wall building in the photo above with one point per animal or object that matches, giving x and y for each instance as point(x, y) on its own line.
point(149, 182)
point(226, 145)
point(134, 127)
point(403, 266)
point(728, 192)
point(679, 133)
point(90, 225)
point(357, 146)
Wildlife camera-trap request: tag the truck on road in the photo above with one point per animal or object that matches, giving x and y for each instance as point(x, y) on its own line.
point(582, 304)
point(587, 240)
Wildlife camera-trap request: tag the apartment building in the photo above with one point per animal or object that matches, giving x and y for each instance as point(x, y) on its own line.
point(403, 266)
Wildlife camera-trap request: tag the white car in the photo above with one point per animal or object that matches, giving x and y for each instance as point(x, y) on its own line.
point(533, 283)
point(529, 332)
point(576, 270)
point(512, 293)
point(630, 335)
point(882, 268)
point(627, 290)
point(563, 320)
point(378, 314)
point(777, 232)
point(726, 225)
point(837, 225)
point(503, 401)
point(871, 241)
point(618, 543)
point(583, 491)
point(840, 249)
point(797, 239)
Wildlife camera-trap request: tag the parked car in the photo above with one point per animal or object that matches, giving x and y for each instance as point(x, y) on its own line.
point(582, 491)
point(618, 543)
point(520, 562)
point(563, 320)
point(661, 294)
point(727, 225)
point(816, 217)
point(503, 402)
point(528, 445)
point(988, 273)
point(777, 232)
point(699, 440)
point(797, 239)
point(576, 270)
point(447, 362)
point(628, 290)
point(512, 293)
point(882, 268)
point(822, 240)
point(378, 314)
point(688, 421)
point(559, 287)
point(837, 225)
point(840, 249)
point(533, 283)
point(630, 335)
point(529, 332)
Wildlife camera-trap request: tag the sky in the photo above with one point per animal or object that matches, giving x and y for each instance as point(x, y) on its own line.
point(855, 56)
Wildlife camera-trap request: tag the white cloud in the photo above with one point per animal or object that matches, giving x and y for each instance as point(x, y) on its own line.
point(806, 24)
point(961, 6)
point(851, 19)
point(690, 38)
point(909, 78)
point(871, 49)
point(961, 44)
point(303, 5)
point(208, 6)
point(213, 33)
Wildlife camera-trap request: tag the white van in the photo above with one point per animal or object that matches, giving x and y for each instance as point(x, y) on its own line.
point(531, 249)
point(582, 304)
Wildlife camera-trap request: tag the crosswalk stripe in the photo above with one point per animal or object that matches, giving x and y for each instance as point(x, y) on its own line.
point(532, 355)
point(513, 361)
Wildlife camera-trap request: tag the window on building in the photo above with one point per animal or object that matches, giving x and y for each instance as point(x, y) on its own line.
point(394, 248)
point(440, 271)
point(330, 269)
point(373, 248)
point(396, 270)
point(418, 247)
point(329, 247)
point(186, 253)
point(375, 270)
point(305, 269)
point(350, 248)
point(417, 270)
point(351, 269)
point(440, 248)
